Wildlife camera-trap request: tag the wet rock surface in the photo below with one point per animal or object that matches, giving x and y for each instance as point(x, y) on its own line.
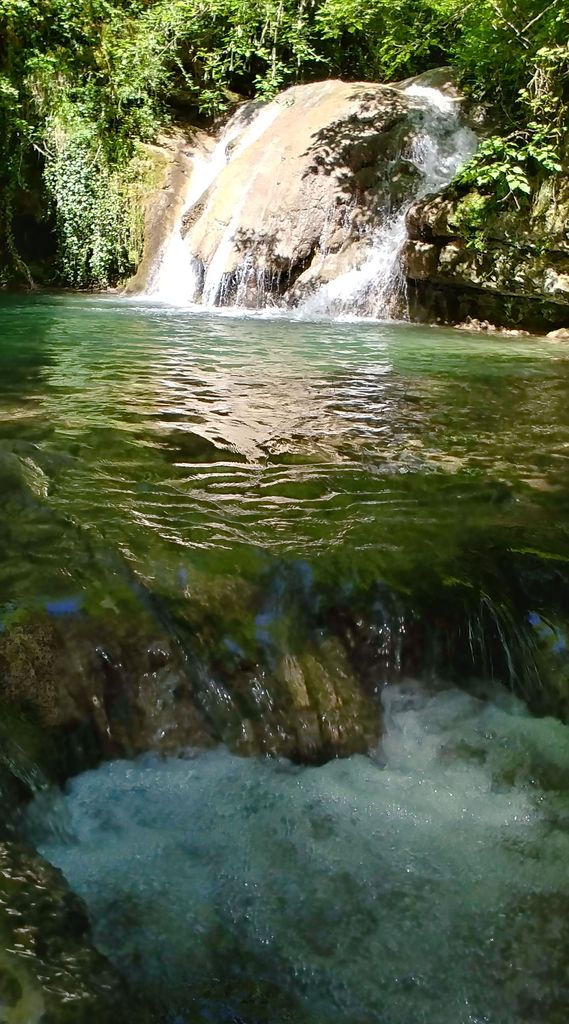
point(49, 971)
point(172, 157)
point(273, 663)
point(308, 180)
point(512, 271)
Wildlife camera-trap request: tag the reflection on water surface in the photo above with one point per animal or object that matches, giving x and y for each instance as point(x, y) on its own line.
point(245, 531)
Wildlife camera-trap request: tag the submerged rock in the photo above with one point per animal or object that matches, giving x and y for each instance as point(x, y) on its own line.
point(265, 675)
point(49, 971)
point(76, 689)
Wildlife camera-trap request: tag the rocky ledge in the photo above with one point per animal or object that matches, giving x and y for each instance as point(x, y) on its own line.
point(468, 258)
point(291, 194)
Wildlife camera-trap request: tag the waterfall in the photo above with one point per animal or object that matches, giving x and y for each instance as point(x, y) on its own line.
point(441, 146)
point(215, 273)
point(176, 276)
point(217, 254)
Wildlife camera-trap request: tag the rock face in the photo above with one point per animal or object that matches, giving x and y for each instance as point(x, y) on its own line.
point(293, 193)
point(76, 690)
point(297, 201)
point(173, 158)
point(49, 972)
point(309, 184)
point(511, 269)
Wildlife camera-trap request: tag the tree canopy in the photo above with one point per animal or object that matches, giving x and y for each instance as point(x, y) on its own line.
point(82, 82)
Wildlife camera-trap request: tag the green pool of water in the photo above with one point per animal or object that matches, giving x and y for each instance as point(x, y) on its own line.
point(187, 441)
point(334, 506)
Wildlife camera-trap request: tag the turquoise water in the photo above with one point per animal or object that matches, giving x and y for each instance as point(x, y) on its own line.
point(355, 464)
point(182, 438)
point(311, 515)
point(426, 883)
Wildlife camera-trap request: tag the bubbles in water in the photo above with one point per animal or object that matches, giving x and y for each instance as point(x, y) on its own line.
point(440, 147)
point(426, 884)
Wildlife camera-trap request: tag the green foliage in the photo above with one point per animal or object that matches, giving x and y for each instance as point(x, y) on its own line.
point(516, 56)
point(99, 213)
point(388, 39)
point(470, 217)
point(83, 82)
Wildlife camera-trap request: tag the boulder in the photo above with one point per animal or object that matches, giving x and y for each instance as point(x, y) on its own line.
point(49, 971)
point(561, 334)
point(293, 194)
point(308, 184)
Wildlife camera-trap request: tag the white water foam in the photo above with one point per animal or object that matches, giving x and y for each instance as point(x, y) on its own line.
point(427, 884)
point(175, 278)
point(440, 148)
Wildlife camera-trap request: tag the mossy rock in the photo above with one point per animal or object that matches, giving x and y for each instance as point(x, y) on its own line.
point(49, 971)
point(78, 689)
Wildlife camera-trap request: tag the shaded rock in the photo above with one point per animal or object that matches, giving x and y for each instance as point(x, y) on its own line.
point(265, 678)
point(79, 689)
point(465, 257)
point(76, 688)
point(326, 268)
point(49, 971)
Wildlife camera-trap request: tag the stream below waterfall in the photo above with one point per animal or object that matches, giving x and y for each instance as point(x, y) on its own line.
point(290, 601)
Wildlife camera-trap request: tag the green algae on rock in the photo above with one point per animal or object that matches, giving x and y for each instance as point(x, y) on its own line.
point(466, 256)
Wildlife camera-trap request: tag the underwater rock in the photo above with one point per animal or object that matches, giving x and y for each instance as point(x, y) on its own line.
point(49, 971)
point(76, 689)
point(266, 677)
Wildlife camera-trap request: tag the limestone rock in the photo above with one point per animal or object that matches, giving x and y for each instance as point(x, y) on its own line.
point(173, 156)
point(561, 334)
point(308, 185)
point(74, 690)
point(307, 180)
point(466, 258)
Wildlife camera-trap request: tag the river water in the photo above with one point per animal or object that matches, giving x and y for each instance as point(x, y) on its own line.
point(398, 491)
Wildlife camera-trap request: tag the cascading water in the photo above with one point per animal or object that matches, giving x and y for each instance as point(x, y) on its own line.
point(235, 249)
point(440, 148)
point(176, 276)
point(400, 888)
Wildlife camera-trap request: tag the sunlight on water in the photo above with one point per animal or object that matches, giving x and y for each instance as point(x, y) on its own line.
point(235, 530)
